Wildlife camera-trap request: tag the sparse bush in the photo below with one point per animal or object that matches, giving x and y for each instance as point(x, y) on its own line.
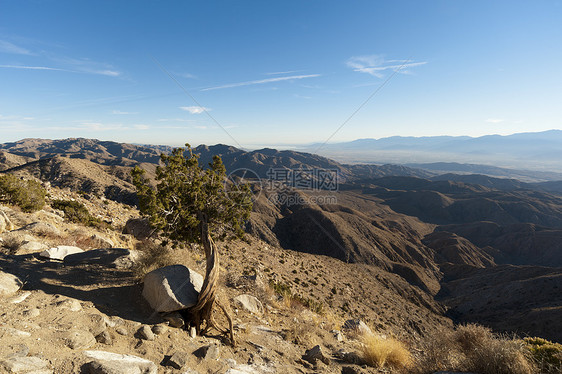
point(300, 333)
point(28, 195)
point(76, 212)
point(291, 300)
point(547, 355)
point(475, 348)
point(152, 256)
point(382, 352)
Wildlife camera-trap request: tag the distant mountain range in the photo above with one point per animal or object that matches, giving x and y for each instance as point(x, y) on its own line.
point(539, 151)
point(440, 232)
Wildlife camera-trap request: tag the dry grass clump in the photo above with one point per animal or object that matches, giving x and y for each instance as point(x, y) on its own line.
point(474, 348)
point(10, 243)
point(300, 333)
point(152, 256)
point(383, 352)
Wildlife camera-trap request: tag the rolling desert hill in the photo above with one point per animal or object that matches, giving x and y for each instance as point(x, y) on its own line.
point(438, 234)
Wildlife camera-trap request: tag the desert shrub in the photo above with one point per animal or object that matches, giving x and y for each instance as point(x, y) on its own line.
point(474, 348)
point(28, 195)
point(300, 333)
point(547, 355)
point(382, 352)
point(291, 300)
point(76, 212)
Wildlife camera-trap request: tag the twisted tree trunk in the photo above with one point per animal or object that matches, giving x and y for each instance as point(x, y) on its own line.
point(202, 311)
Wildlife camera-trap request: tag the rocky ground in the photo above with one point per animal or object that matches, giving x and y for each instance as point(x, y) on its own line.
point(87, 314)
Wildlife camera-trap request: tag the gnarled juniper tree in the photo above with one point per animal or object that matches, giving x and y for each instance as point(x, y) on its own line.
point(192, 204)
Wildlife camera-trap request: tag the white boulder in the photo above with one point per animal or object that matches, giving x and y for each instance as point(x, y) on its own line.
point(172, 288)
point(106, 362)
point(60, 252)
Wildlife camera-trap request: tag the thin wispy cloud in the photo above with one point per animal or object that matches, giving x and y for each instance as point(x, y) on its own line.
point(185, 75)
point(109, 73)
point(376, 65)
point(100, 126)
point(24, 67)
point(120, 112)
point(494, 120)
point(86, 65)
point(282, 72)
point(174, 120)
point(49, 61)
point(7, 47)
point(262, 81)
point(195, 109)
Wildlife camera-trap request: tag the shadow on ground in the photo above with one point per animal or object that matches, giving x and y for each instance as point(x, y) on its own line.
point(113, 291)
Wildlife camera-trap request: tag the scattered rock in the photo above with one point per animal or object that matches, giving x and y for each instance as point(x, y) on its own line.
point(31, 247)
point(145, 333)
point(112, 363)
point(104, 338)
point(13, 332)
point(192, 332)
point(174, 319)
point(22, 364)
point(172, 288)
point(60, 252)
point(315, 354)
point(159, 329)
point(31, 313)
point(9, 284)
point(71, 304)
point(249, 303)
point(178, 360)
point(245, 369)
point(79, 339)
point(357, 326)
point(118, 258)
point(208, 352)
point(190, 371)
point(350, 357)
point(21, 297)
point(20, 350)
point(101, 241)
point(138, 227)
point(338, 335)
point(98, 324)
point(42, 229)
point(351, 370)
point(122, 330)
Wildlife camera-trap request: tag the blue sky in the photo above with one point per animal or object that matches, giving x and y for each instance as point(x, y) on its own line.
point(252, 73)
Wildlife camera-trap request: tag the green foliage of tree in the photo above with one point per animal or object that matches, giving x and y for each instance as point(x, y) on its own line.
point(189, 201)
point(193, 204)
point(29, 195)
